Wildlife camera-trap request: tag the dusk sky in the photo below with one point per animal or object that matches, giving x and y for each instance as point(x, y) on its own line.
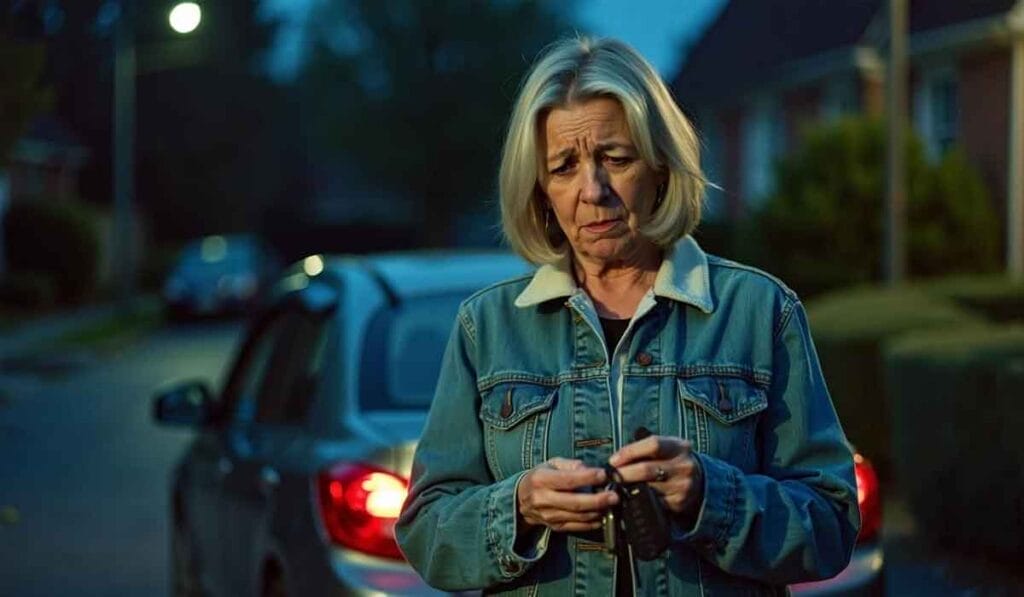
point(659, 29)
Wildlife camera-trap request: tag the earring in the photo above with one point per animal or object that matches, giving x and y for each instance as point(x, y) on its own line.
point(662, 188)
point(553, 233)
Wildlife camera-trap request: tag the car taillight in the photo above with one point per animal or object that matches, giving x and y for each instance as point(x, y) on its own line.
point(868, 498)
point(359, 505)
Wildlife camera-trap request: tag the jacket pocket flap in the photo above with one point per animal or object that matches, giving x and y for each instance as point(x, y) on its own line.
point(727, 399)
point(506, 405)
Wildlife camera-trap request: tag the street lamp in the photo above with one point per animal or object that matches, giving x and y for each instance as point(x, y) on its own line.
point(185, 17)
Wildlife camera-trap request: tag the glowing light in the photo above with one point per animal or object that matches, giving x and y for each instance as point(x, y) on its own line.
point(185, 17)
point(313, 265)
point(384, 495)
point(213, 249)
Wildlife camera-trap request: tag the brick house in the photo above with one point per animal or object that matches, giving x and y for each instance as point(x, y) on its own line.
point(43, 165)
point(765, 67)
point(46, 162)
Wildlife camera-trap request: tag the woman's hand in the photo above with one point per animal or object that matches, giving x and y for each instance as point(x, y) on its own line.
point(547, 495)
point(666, 464)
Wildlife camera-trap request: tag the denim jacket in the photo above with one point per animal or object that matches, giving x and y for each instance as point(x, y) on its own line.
point(717, 352)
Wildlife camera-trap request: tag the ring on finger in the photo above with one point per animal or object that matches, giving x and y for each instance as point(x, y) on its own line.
point(660, 475)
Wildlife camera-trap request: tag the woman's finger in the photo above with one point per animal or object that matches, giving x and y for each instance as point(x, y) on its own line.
point(657, 471)
point(566, 479)
point(652, 447)
point(575, 502)
point(554, 517)
point(576, 527)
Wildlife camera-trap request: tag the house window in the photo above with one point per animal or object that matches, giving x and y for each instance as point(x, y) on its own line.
point(762, 142)
point(839, 98)
point(944, 112)
point(937, 108)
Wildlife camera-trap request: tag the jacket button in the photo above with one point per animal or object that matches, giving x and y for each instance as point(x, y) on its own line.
point(724, 404)
point(644, 359)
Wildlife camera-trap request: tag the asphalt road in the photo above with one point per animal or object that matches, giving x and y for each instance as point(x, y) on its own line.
point(84, 474)
point(84, 470)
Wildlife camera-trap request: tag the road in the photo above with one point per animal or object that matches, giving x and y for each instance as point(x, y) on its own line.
point(84, 470)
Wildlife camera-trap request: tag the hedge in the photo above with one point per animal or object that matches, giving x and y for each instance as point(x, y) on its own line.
point(958, 451)
point(59, 238)
point(30, 290)
point(998, 298)
point(850, 329)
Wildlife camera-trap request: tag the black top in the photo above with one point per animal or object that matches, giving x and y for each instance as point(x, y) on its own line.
point(613, 331)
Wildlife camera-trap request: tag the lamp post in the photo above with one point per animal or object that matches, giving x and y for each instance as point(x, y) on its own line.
point(896, 196)
point(183, 18)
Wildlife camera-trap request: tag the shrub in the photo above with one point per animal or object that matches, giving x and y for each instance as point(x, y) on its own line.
point(830, 197)
point(850, 330)
point(998, 298)
point(57, 238)
point(957, 422)
point(31, 290)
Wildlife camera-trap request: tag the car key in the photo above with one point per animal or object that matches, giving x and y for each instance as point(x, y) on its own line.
point(643, 519)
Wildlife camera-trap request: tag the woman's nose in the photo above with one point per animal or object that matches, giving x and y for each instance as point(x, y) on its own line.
point(593, 184)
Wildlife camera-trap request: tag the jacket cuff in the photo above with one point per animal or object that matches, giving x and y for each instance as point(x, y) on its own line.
point(719, 508)
point(514, 555)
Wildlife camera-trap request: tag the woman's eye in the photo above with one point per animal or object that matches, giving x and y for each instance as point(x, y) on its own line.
point(618, 160)
point(564, 168)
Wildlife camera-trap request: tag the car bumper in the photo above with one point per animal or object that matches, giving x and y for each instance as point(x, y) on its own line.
point(863, 576)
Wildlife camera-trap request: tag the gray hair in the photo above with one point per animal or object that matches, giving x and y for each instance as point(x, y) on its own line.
point(579, 69)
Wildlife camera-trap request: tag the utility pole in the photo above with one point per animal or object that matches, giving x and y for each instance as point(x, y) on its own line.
point(1015, 150)
point(124, 154)
point(896, 200)
point(183, 18)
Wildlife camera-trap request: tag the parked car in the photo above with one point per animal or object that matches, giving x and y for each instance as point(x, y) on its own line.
point(219, 275)
point(299, 467)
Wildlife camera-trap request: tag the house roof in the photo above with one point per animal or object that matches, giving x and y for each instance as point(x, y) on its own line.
point(751, 40)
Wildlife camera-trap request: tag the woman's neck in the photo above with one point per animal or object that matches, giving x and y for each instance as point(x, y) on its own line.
point(616, 288)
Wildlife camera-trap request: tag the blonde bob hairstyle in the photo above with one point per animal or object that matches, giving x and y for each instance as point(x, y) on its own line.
point(579, 69)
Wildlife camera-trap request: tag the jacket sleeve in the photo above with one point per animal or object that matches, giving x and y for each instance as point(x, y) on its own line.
point(458, 525)
point(798, 519)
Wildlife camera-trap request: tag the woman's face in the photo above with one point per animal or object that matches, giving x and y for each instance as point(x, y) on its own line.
point(598, 187)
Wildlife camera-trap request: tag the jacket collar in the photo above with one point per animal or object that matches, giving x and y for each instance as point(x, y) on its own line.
point(683, 276)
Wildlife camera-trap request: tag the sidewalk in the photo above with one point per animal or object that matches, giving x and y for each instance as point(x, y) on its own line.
point(26, 337)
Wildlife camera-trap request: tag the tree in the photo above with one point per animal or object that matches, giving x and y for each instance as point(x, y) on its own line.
point(416, 95)
point(822, 228)
point(22, 61)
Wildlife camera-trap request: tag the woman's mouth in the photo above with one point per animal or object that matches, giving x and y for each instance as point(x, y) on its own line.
point(602, 225)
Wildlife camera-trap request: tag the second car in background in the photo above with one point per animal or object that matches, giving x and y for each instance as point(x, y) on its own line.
point(219, 275)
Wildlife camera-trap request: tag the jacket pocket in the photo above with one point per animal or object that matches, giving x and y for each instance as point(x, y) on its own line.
point(515, 421)
point(720, 417)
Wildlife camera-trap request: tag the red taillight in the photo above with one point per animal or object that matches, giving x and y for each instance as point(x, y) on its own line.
point(359, 505)
point(868, 498)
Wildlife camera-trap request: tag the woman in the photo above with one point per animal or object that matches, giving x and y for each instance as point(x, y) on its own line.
point(626, 330)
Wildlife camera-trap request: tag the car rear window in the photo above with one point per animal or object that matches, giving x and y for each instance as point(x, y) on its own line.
point(403, 351)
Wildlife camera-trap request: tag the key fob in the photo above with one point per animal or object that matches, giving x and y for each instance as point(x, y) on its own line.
point(644, 521)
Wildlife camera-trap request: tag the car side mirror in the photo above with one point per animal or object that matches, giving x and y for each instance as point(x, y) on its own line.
point(189, 404)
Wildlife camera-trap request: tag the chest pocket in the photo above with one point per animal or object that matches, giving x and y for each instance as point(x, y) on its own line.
point(720, 416)
point(515, 421)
